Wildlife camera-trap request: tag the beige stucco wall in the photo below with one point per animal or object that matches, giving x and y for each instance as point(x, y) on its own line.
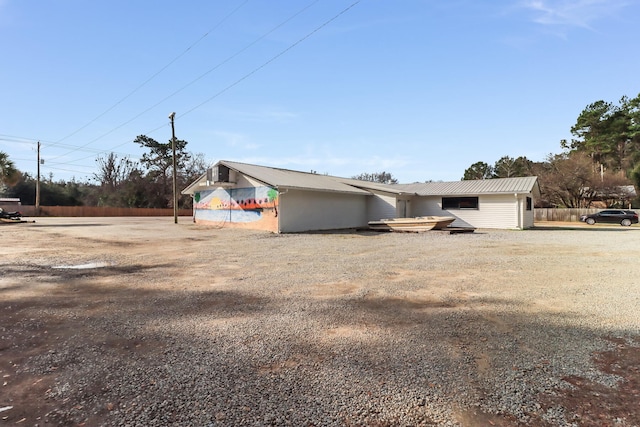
point(314, 210)
point(501, 211)
point(381, 205)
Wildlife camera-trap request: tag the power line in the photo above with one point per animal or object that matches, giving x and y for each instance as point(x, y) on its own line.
point(156, 73)
point(228, 59)
point(69, 164)
point(66, 170)
point(111, 150)
point(53, 166)
point(21, 160)
point(236, 82)
point(17, 139)
point(33, 141)
point(255, 70)
point(30, 141)
point(274, 58)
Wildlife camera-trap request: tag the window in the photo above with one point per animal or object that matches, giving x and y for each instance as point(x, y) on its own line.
point(529, 203)
point(459, 203)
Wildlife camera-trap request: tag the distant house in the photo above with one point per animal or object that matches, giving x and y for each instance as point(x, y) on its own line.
point(619, 195)
point(233, 194)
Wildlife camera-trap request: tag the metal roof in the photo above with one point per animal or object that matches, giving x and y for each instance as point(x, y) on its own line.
point(369, 185)
point(285, 178)
point(525, 184)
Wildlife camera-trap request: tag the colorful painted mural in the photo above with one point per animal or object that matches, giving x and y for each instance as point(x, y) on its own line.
point(236, 205)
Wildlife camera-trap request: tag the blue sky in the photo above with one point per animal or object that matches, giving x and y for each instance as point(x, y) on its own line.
point(419, 88)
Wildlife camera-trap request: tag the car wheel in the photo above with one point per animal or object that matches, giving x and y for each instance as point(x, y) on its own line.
point(590, 221)
point(626, 222)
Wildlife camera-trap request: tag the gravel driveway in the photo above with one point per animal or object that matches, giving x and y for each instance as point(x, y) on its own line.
point(142, 322)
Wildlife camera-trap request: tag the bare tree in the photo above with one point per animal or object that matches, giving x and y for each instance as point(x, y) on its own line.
point(568, 180)
point(194, 167)
point(113, 171)
point(380, 177)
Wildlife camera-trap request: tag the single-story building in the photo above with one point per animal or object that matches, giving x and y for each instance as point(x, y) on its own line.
point(505, 203)
point(619, 195)
point(234, 194)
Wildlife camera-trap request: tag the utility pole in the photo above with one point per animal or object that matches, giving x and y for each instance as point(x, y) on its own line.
point(175, 182)
point(38, 184)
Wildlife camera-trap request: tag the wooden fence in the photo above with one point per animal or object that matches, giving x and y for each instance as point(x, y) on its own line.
point(540, 214)
point(97, 211)
point(567, 215)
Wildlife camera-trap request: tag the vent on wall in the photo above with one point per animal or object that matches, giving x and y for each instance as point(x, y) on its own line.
point(218, 173)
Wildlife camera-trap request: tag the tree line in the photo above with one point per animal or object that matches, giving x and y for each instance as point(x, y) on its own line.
point(118, 182)
point(599, 163)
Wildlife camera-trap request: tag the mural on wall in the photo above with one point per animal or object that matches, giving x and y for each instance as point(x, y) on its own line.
point(236, 204)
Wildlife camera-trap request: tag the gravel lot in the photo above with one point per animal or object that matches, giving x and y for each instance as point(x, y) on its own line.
point(142, 322)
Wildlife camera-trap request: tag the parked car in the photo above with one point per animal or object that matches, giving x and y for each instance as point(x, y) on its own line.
point(612, 216)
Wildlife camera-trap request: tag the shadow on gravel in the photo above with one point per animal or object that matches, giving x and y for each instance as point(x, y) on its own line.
point(79, 286)
point(95, 349)
point(71, 344)
point(71, 271)
point(502, 369)
point(583, 228)
point(83, 224)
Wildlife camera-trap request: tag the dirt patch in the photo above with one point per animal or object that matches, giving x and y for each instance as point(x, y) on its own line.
point(587, 403)
point(428, 323)
point(595, 404)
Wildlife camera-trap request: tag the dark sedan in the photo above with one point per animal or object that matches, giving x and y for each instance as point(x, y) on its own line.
point(612, 216)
